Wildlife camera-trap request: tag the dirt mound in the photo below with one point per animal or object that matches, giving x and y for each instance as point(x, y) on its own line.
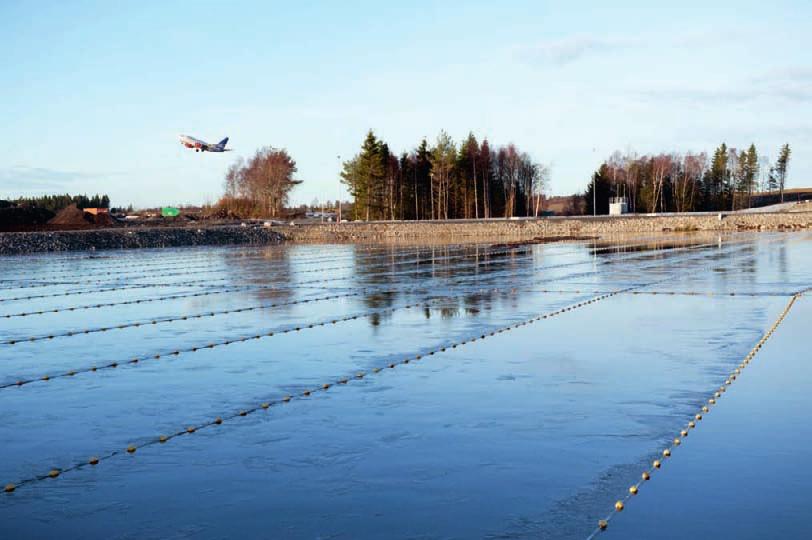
point(15, 219)
point(72, 215)
point(101, 220)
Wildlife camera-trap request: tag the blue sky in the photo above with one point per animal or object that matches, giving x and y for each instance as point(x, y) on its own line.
point(94, 94)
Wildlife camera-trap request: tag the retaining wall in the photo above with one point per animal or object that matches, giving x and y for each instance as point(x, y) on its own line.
point(525, 228)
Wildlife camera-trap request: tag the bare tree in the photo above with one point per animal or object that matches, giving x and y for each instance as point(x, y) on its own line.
point(264, 181)
point(661, 167)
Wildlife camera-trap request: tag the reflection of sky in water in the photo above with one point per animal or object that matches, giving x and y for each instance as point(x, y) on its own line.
point(530, 433)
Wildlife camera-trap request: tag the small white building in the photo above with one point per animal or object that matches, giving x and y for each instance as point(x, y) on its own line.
point(618, 206)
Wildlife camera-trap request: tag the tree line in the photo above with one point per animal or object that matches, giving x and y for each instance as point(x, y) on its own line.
point(55, 203)
point(443, 181)
point(674, 182)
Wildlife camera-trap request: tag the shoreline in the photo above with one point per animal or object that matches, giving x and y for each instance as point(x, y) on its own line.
point(20, 243)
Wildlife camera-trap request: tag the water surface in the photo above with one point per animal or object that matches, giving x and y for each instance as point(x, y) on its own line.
point(532, 432)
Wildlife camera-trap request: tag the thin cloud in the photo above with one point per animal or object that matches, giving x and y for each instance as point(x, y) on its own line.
point(789, 74)
point(572, 48)
point(27, 179)
point(792, 85)
point(576, 47)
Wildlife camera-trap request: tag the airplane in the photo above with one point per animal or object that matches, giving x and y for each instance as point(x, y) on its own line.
point(202, 146)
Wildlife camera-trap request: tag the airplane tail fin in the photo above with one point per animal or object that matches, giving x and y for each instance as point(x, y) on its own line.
point(223, 142)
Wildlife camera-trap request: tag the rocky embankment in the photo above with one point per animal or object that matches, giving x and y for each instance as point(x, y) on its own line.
point(425, 231)
point(546, 227)
point(18, 243)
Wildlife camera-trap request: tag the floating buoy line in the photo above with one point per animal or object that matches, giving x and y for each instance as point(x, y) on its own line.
point(276, 401)
point(694, 421)
point(239, 288)
point(131, 449)
point(95, 460)
point(265, 334)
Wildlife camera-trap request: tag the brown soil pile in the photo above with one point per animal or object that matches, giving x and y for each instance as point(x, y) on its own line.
point(104, 220)
point(72, 215)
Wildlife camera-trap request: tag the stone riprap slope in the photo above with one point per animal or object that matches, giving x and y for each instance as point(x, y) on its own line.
point(529, 228)
point(129, 238)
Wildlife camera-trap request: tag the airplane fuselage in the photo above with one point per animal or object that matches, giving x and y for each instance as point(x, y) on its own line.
point(203, 146)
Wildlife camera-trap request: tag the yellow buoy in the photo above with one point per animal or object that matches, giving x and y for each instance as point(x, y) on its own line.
point(162, 439)
point(53, 473)
point(619, 506)
point(218, 420)
point(656, 464)
point(602, 524)
point(666, 453)
point(646, 475)
point(131, 449)
point(633, 490)
point(9, 488)
point(265, 405)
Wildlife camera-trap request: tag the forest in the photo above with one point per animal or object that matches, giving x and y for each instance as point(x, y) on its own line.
point(686, 182)
point(445, 180)
point(55, 203)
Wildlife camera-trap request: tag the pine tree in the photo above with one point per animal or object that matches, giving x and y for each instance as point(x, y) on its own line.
point(718, 178)
point(443, 158)
point(467, 175)
point(364, 176)
point(751, 169)
point(423, 181)
point(781, 168)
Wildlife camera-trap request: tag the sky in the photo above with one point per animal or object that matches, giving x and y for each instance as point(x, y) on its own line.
point(93, 95)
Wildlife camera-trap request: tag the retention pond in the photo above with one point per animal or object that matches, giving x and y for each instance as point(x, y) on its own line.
point(432, 392)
